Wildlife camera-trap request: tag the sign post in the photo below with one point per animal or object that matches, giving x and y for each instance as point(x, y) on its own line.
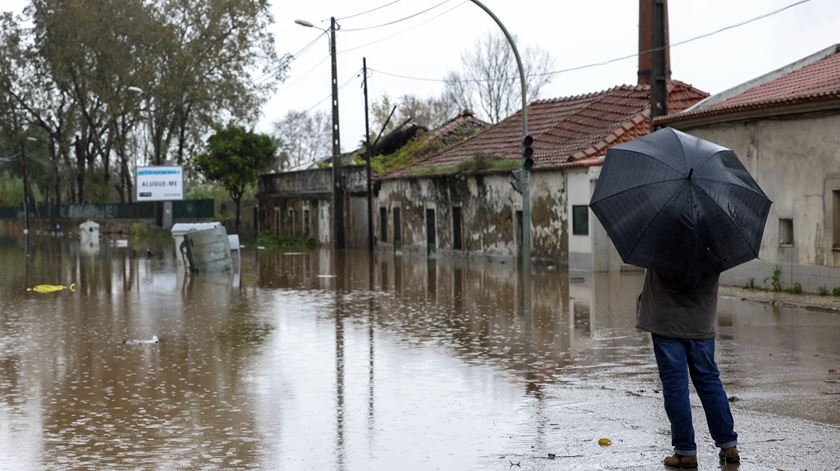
point(160, 184)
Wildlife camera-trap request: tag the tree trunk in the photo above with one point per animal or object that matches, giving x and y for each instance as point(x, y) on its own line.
point(238, 201)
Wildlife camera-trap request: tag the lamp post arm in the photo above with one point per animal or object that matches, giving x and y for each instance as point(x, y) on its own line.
point(523, 86)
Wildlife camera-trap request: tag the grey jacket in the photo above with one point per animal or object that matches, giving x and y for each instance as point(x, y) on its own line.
point(673, 309)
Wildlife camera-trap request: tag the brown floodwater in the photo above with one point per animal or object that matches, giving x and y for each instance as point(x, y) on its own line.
point(335, 360)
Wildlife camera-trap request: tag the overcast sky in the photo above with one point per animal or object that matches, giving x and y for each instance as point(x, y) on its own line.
point(574, 32)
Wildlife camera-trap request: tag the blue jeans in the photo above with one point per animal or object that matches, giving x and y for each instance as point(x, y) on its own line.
point(676, 359)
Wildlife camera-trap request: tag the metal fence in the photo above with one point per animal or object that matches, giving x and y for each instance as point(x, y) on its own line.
point(187, 209)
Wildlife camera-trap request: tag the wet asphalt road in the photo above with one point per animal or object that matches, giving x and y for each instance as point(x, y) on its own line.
point(330, 361)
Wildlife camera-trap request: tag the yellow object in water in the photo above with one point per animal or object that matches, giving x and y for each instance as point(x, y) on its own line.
point(605, 442)
point(52, 288)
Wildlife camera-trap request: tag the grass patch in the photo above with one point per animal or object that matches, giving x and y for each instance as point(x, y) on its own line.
point(795, 289)
point(476, 164)
point(271, 241)
point(775, 279)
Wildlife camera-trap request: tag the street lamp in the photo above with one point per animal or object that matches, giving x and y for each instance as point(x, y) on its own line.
point(338, 200)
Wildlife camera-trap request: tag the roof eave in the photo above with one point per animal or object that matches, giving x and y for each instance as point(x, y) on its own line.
point(746, 113)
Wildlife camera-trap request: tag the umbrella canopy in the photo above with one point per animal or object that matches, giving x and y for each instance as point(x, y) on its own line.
point(679, 205)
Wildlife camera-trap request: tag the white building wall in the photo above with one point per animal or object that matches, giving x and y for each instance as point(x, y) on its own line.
point(796, 161)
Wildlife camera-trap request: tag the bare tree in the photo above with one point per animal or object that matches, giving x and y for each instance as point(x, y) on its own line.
point(428, 112)
point(490, 77)
point(303, 137)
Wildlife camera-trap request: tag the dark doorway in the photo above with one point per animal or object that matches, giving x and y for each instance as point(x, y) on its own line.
point(430, 231)
point(383, 224)
point(397, 232)
point(456, 228)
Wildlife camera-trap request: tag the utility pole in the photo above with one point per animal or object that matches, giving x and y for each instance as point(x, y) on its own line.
point(658, 83)
point(368, 152)
point(338, 193)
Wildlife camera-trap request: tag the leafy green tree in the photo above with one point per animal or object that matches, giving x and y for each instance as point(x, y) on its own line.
point(234, 157)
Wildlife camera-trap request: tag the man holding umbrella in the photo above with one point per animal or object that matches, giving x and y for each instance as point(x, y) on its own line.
point(686, 209)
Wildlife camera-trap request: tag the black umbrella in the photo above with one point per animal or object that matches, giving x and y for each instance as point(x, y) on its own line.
point(679, 205)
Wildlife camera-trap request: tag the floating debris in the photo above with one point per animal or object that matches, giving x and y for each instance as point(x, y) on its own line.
point(150, 341)
point(43, 289)
point(605, 441)
point(832, 371)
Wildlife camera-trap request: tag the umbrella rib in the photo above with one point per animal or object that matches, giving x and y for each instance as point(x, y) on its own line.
point(642, 236)
point(740, 232)
point(761, 193)
point(636, 188)
point(651, 157)
point(748, 188)
point(709, 158)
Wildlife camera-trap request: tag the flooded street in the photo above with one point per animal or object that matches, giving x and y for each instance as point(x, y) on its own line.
point(326, 361)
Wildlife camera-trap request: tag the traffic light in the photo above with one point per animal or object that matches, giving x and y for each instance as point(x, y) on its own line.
point(527, 152)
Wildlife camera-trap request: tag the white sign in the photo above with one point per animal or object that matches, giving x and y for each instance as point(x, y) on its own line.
point(160, 183)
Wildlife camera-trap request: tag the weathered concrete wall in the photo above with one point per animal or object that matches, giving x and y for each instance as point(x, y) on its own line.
point(488, 207)
point(300, 204)
point(796, 161)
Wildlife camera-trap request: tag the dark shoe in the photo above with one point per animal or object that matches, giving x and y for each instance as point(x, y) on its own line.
point(681, 461)
point(730, 455)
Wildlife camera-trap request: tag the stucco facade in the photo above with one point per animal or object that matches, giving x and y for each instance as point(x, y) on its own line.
point(796, 161)
point(301, 204)
point(472, 215)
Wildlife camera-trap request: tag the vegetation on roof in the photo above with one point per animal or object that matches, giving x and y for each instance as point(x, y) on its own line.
point(479, 163)
point(417, 148)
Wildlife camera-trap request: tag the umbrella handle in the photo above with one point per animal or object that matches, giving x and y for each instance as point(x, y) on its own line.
point(690, 171)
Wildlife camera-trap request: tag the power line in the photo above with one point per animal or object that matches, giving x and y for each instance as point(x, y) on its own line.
point(368, 11)
point(608, 61)
point(297, 80)
point(400, 19)
point(404, 30)
point(293, 57)
point(344, 84)
point(678, 43)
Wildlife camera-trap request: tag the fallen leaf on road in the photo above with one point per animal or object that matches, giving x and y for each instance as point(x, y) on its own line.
point(605, 442)
point(734, 399)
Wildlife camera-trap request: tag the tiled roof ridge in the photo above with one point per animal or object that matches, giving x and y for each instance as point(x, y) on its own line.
point(600, 146)
point(616, 133)
point(672, 83)
point(586, 95)
point(462, 117)
point(716, 104)
point(750, 106)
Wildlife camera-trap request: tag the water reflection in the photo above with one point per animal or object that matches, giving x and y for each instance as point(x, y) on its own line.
point(329, 360)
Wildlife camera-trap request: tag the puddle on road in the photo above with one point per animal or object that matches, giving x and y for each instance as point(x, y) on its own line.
point(393, 362)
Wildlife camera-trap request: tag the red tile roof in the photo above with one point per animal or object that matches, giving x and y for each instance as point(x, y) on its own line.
point(813, 79)
point(453, 130)
point(568, 132)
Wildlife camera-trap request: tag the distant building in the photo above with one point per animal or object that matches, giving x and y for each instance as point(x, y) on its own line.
point(299, 203)
point(460, 200)
point(785, 128)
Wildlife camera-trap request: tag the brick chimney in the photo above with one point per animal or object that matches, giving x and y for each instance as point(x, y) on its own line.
point(646, 41)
